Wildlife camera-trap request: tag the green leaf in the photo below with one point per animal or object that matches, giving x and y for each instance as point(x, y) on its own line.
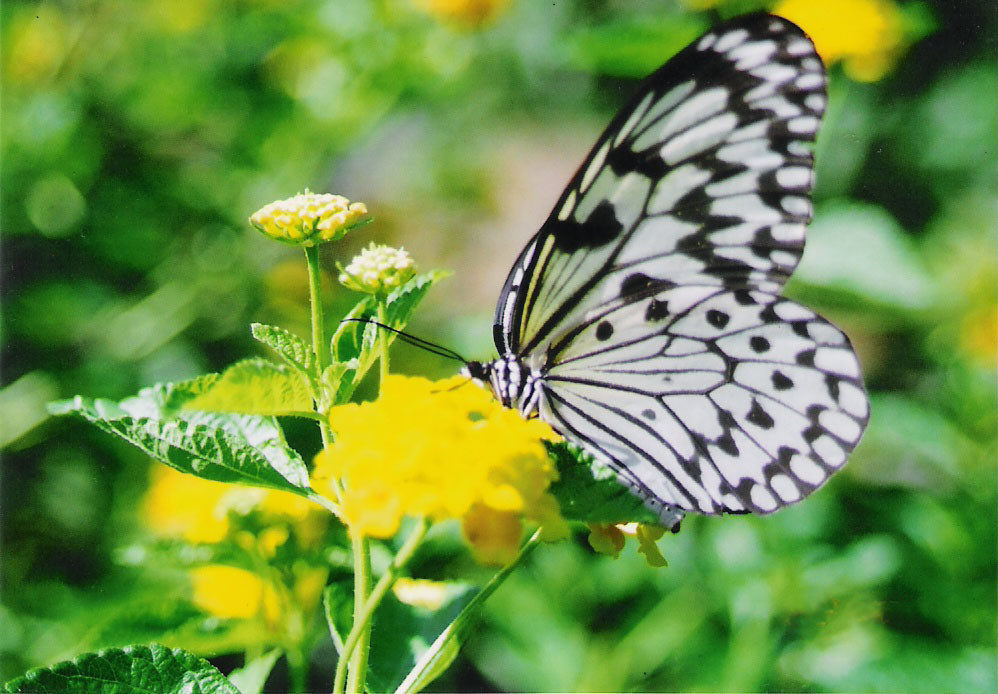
point(245, 449)
point(291, 348)
point(337, 379)
point(633, 45)
point(251, 678)
point(860, 250)
point(401, 303)
point(256, 386)
point(358, 341)
point(351, 337)
point(402, 634)
point(588, 491)
point(131, 670)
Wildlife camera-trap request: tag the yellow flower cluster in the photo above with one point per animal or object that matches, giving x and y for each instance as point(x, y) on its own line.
point(609, 539)
point(441, 450)
point(308, 218)
point(378, 270)
point(866, 35)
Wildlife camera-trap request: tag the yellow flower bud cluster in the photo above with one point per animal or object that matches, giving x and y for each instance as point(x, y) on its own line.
point(378, 270)
point(308, 218)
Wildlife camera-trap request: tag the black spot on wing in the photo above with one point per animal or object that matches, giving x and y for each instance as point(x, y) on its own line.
point(781, 381)
point(718, 319)
point(759, 416)
point(759, 344)
point(601, 228)
point(604, 331)
point(657, 310)
point(635, 284)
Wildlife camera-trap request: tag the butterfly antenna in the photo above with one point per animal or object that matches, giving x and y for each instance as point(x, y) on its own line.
point(431, 347)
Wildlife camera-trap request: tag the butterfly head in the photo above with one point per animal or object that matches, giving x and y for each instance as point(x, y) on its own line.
point(515, 385)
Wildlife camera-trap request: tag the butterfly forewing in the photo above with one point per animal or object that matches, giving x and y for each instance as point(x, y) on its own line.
point(646, 306)
point(702, 178)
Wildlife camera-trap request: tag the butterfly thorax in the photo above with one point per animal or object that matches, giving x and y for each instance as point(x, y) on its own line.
point(515, 384)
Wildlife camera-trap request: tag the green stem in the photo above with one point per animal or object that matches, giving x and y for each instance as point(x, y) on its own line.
point(361, 586)
point(383, 338)
point(321, 350)
point(319, 345)
point(462, 624)
point(362, 617)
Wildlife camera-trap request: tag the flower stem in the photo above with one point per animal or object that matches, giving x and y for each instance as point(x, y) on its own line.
point(362, 617)
point(383, 338)
point(462, 624)
point(362, 642)
point(319, 345)
point(321, 350)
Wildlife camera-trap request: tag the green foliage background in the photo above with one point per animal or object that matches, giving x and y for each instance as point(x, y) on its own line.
point(138, 136)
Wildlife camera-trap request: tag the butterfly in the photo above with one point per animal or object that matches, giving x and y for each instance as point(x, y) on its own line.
point(644, 323)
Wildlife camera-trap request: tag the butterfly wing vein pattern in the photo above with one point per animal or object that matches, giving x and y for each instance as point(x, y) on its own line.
point(647, 308)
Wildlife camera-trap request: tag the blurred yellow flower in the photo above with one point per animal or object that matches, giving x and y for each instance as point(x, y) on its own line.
point(308, 218)
point(437, 450)
point(609, 539)
point(378, 270)
point(186, 507)
point(472, 14)
point(37, 40)
point(866, 35)
point(227, 592)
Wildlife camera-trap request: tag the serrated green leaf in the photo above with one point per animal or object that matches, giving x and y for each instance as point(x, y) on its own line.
point(251, 678)
point(351, 339)
point(337, 379)
point(151, 669)
point(245, 449)
point(256, 386)
point(402, 634)
point(588, 491)
point(291, 348)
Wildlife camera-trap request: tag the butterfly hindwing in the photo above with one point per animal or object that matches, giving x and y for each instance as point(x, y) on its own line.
point(703, 178)
point(712, 400)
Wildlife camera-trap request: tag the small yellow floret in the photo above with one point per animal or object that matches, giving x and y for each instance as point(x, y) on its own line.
point(441, 450)
point(378, 270)
point(308, 218)
point(866, 35)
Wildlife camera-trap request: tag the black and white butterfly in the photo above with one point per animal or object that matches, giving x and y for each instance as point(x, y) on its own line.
point(643, 321)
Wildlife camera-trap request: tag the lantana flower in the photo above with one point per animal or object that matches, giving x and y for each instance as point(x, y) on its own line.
point(866, 35)
point(378, 270)
point(441, 450)
point(309, 218)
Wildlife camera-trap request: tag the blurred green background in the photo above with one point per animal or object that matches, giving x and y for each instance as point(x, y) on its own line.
point(138, 136)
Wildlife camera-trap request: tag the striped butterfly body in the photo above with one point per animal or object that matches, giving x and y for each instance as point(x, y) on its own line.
point(643, 321)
